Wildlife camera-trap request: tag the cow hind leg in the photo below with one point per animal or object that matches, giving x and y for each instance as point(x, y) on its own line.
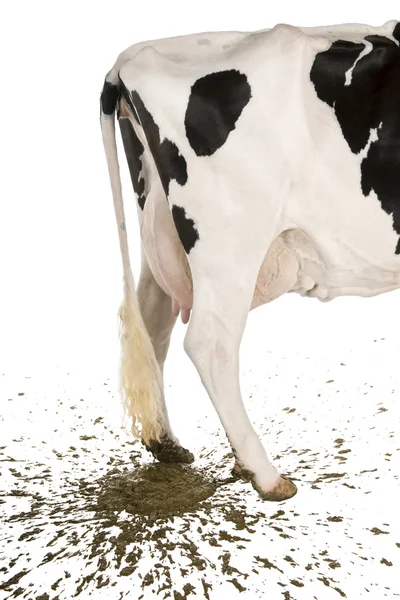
point(222, 300)
point(155, 307)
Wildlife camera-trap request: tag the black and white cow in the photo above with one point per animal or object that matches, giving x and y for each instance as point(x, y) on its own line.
point(263, 163)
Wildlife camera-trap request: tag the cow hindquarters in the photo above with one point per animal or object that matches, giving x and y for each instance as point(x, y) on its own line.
point(155, 307)
point(223, 291)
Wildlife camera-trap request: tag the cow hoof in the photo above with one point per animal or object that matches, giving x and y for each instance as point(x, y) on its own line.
point(169, 451)
point(283, 490)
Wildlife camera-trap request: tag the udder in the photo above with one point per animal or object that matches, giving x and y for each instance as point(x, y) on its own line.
point(165, 254)
point(279, 273)
point(292, 263)
point(169, 265)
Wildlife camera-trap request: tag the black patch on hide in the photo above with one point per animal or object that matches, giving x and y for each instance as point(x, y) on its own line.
point(109, 98)
point(215, 104)
point(133, 150)
point(185, 227)
point(169, 162)
point(370, 102)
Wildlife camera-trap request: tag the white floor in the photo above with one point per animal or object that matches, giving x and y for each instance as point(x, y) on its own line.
point(321, 386)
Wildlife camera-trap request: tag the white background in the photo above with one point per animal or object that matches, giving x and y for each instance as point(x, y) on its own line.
point(60, 264)
point(311, 372)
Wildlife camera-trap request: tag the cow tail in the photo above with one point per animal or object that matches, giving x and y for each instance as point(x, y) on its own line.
point(140, 375)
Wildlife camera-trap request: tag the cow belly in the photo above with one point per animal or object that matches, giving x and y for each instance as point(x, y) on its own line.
point(293, 263)
point(297, 263)
point(278, 274)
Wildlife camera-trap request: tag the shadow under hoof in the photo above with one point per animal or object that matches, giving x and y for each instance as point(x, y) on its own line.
point(168, 451)
point(157, 490)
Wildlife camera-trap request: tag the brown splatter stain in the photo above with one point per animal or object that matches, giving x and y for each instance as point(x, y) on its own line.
point(158, 489)
point(267, 563)
point(377, 531)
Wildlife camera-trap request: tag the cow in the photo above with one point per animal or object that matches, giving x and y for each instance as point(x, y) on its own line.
point(263, 163)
